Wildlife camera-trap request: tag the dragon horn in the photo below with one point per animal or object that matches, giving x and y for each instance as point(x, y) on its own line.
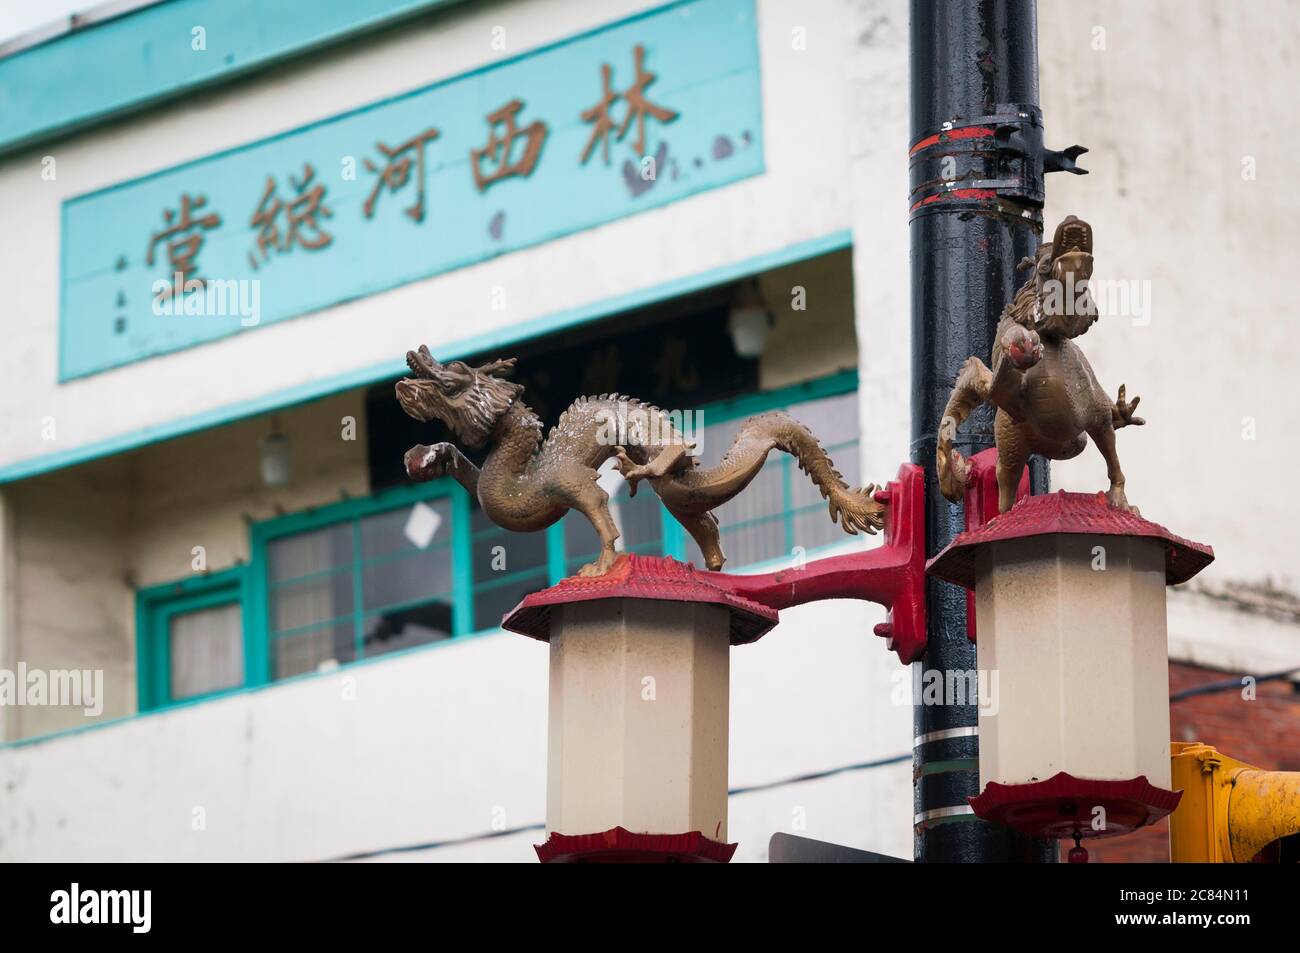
point(499, 367)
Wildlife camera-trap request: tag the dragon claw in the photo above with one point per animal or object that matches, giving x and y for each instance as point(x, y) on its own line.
point(632, 471)
point(1122, 414)
point(862, 511)
point(953, 470)
point(426, 462)
point(604, 562)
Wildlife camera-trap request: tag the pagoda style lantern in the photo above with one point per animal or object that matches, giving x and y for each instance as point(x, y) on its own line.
point(640, 667)
point(639, 682)
point(638, 720)
point(1070, 606)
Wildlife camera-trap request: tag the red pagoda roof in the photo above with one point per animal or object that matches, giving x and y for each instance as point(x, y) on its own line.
point(1085, 514)
point(641, 577)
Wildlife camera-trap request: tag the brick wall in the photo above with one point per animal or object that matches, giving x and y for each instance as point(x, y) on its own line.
point(1264, 732)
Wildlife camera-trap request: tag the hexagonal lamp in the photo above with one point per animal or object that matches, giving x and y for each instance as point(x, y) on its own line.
point(1070, 606)
point(637, 746)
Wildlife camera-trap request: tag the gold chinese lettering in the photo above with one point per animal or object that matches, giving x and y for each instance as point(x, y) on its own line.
point(638, 107)
point(397, 172)
point(184, 236)
point(300, 213)
point(502, 134)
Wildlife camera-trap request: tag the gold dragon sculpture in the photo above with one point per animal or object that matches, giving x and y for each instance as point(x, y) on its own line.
point(527, 483)
point(1047, 397)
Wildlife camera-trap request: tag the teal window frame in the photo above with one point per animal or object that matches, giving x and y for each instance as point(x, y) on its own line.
point(249, 585)
point(833, 385)
point(258, 604)
point(155, 607)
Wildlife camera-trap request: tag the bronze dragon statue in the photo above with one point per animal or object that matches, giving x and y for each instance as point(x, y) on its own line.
point(1047, 398)
point(528, 483)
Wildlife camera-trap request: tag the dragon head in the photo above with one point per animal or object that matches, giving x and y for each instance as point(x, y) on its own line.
point(469, 400)
point(1062, 270)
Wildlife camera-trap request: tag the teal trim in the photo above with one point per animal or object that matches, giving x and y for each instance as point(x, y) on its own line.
point(748, 404)
point(358, 594)
point(94, 74)
point(555, 570)
point(672, 534)
point(462, 569)
point(154, 608)
point(464, 347)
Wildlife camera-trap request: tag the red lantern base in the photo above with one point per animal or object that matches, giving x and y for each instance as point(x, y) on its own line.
point(1063, 805)
point(620, 846)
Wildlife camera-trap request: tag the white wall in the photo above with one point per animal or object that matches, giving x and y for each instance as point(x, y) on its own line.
point(1181, 94)
point(443, 742)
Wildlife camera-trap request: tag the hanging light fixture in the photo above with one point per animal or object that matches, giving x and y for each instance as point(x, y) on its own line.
point(275, 457)
point(749, 321)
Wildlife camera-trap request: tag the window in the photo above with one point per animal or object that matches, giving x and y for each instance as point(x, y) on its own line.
point(190, 639)
point(640, 522)
point(207, 650)
point(421, 563)
point(358, 580)
point(781, 509)
point(506, 567)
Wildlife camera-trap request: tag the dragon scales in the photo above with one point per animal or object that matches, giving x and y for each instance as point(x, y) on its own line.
point(527, 483)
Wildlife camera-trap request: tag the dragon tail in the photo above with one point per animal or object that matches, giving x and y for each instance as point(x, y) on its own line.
point(854, 508)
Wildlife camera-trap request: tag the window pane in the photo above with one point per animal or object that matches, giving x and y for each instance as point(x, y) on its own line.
point(293, 557)
point(506, 567)
point(300, 652)
point(406, 528)
point(207, 651)
point(639, 520)
point(398, 562)
point(406, 579)
point(494, 599)
point(782, 508)
point(393, 583)
point(519, 552)
point(403, 628)
point(307, 604)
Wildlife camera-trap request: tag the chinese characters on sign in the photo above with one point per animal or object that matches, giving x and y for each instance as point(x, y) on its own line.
point(498, 147)
point(638, 107)
point(184, 236)
point(627, 117)
point(397, 172)
point(281, 224)
point(300, 214)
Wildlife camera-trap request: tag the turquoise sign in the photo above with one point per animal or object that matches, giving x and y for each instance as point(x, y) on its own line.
point(625, 118)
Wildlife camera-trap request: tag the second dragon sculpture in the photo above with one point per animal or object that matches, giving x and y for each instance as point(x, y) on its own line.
point(1047, 397)
point(528, 483)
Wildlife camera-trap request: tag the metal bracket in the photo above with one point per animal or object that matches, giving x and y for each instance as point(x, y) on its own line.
point(993, 163)
point(892, 575)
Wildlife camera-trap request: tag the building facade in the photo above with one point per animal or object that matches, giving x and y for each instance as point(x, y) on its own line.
point(218, 243)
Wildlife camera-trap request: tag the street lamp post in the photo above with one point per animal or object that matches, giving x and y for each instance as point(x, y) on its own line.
point(977, 163)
